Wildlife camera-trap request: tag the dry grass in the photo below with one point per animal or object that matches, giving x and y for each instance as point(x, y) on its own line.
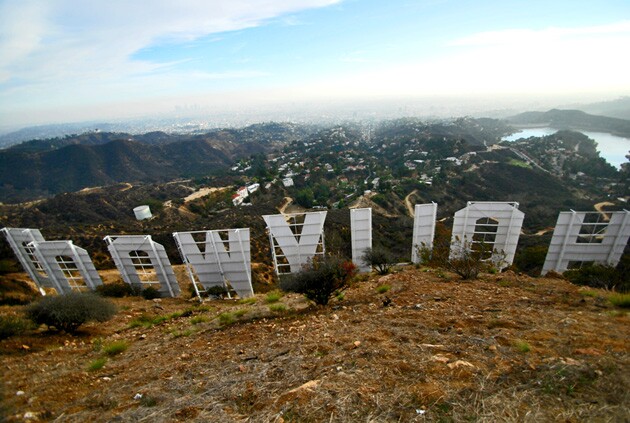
point(441, 351)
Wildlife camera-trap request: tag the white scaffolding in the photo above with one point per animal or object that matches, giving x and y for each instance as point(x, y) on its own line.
point(361, 235)
point(423, 229)
point(217, 258)
point(69, 267)
point(143, 263)
point(494, 226)
point(587, 237)
point(19, 240)
point(295, 239)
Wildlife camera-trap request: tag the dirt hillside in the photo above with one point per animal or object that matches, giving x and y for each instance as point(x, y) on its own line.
point(423, 347)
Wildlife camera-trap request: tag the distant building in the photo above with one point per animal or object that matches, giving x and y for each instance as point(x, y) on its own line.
point(241, 194)
point(253, 188)
point(287, 182)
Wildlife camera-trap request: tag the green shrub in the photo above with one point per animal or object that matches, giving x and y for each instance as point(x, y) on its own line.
point(97, 364)
point(277, 308)
point(321, 279)
point(240, 313)
point(226, 318)
point(69, 311)
point(531, 259)
point(116, 290)
point(379, 259)
point(115, 348)
point(383, 289)
point(601, 276)
point(620, 300)
point(522, 346)
point(198, 319)
point(150, 293)
point(273, 296)
point(13, 325)
point(465, 258)
point(250, 300)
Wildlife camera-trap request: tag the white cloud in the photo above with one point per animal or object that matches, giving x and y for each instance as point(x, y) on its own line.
point(86, 48)
point(547, 62)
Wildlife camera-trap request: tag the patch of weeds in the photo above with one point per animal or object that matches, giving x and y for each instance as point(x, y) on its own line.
point(144, 321)
point(97, 344)
point(383, 288)
point(199, 319)
point(240, 312)
point(115, 348)
point(250, 300)
point(277, 308)
point(13, 325)
point(97, 364)
point(149, 401)
point(589, 293)
point(150, 293)
point(503, 283)
point(273, 297)
point(362, 277)
point(616, 313)
point(180, 333)
point(620, 300)
point(226, 318)
point(522, 346)
point(183, 313)
point(203, 308)
point(340, 296)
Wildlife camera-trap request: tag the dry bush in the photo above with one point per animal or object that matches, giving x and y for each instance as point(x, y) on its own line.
point(69, 311)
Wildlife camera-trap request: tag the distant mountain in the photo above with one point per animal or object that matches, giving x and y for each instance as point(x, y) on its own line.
point(51, 131)
point(27, 175)
point(573, 120)
point(41, 168)
point(619, 108)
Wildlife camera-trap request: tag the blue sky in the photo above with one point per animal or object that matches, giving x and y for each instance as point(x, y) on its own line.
point(70, 60)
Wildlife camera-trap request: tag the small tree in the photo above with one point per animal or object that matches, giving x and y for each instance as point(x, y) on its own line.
point(69, 311)
point(379, 259)
point(321, 279)
point(465, 258)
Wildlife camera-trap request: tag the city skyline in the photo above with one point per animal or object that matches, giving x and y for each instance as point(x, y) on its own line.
point(72, 61)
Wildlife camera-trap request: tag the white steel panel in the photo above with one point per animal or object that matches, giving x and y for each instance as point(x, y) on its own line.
point(508, 222)
point(19, 240)
point(610, 240)
point(423, 229)
point(143, 262)
point(299, 247)
point(68, 266)
point(218, 265)
point(361, 234)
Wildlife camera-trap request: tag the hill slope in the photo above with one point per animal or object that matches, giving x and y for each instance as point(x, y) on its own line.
point(575, 120)
point(503, 348)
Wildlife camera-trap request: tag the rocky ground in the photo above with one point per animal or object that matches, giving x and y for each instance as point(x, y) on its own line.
point(424, 347)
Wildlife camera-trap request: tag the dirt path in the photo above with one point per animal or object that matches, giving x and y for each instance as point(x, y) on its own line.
point(128, 186)
point(364, 201)
point(600, 208)
point(410, 207)
point(285, 203)
point(202, 193)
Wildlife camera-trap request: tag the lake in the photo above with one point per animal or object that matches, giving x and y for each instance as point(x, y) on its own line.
point(611, 147)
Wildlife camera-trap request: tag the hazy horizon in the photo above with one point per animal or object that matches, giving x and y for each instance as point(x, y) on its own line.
point(65, 61)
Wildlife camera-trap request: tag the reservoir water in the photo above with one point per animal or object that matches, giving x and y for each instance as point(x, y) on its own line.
point(611, 147)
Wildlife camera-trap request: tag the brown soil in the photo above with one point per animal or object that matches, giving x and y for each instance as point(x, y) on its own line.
point(503, 348)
